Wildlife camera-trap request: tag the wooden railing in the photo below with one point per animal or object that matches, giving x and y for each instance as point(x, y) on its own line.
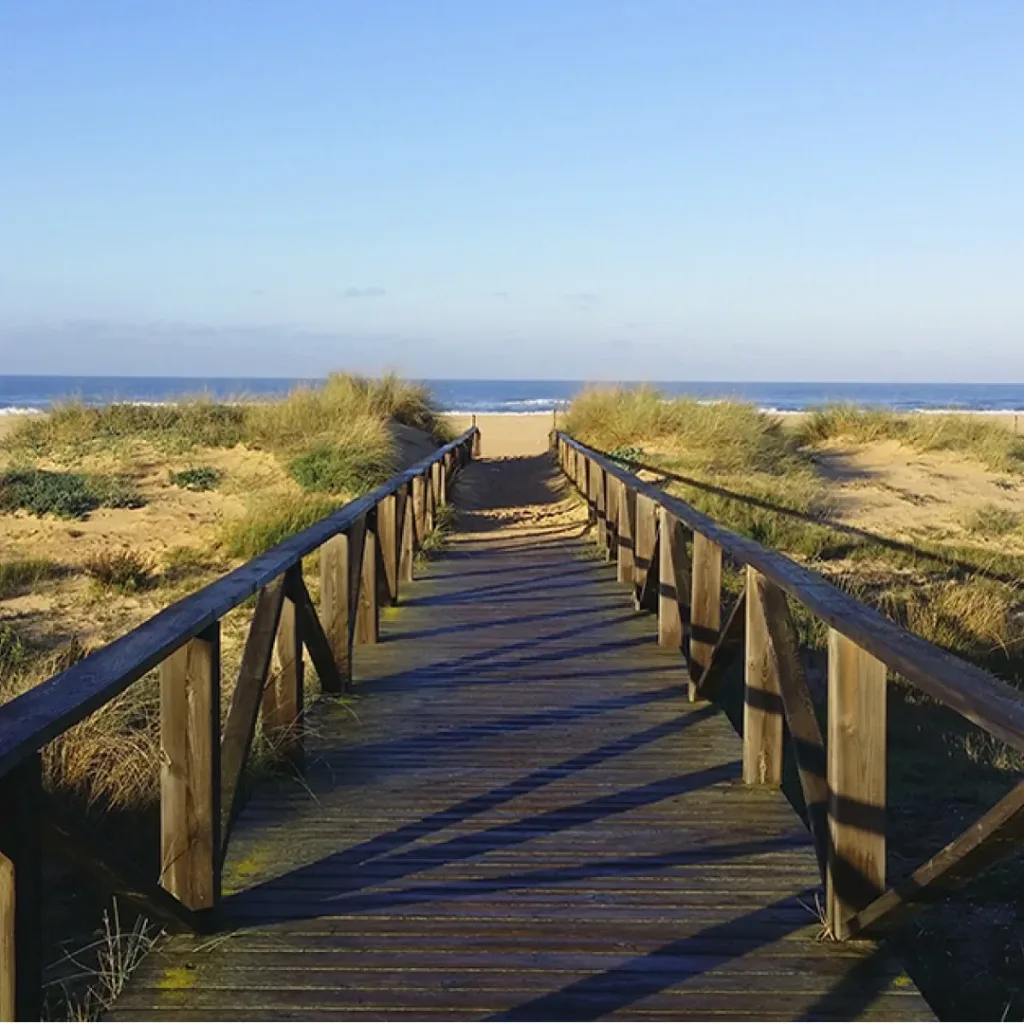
point(366, 553)
point(672, 555)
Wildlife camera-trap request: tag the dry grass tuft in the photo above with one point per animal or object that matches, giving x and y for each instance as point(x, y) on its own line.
point(122, 569)
point(269, 521)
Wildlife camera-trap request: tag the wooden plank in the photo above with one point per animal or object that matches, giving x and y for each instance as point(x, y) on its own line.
point(762, 696)
point(706, 608)
point(612, 517)
point(334, 605)
point(980, 697)
point(730, 644)
point(314, 639)
point(21, 892)
point(283, 697)
point(856, 781)
point(407, 558)
point(650, 588)
point(673, 584)
point(627, 532)
point(600, 511)
point(190, 772)
point(997, 834)
point(387, 535)
point(419, 505)
point(32, 719)
point(646, 531)
point(801, 717)
point(368, 614)
point(240, 725)
point(357, 549)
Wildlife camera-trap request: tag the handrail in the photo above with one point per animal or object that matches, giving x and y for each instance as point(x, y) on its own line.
point(842, 773)
point(977, 695)
point(39, 715)
point(367, 550)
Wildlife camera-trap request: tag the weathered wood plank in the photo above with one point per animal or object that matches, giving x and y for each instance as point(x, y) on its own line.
point(190, 775)
point(240, 725)
point(21, 892)
point(730, 644)
point(856, 781)
point(313, 637)
point(335, 607)
point(673, 584)
point(367, 626)
point(706, 607)
point(283, 694)
point(387, 536)
point(762, 696)
point(627, 533)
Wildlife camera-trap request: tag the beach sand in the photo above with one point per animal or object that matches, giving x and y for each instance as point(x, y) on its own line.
point(508, 434)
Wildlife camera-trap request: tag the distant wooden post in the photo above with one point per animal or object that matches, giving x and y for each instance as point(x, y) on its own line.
point(419, 510)
point(611, 510)
point(705, 607)
point(627, 529)
point(387, 533)
point(762, 695)
point(283, 695)
point(476, 442)
point(673, 601)
point(406, 535)
point(600, 515)
point(442, 480)
point(334, 602)
point(368, 613)
point(856, 752)
point(430, 486)
point(190, 817)
point(21, 944)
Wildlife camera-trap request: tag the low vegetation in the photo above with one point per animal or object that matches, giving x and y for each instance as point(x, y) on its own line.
point(972, 436)
point(42, 492)
point(122, 569)
point(21, 574)
point(268, 522)
point(197, 478)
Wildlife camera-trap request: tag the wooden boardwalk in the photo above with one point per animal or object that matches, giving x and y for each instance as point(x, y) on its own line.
point(519, 817)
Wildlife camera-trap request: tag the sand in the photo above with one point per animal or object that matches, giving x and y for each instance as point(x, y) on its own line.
point(508, 434)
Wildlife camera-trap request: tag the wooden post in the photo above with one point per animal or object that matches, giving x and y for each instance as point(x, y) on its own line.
point(705, 606)
point(407, 552)
point(368, 613)
point(283, 694)
point(627, 530)
point(611, 511)
point(600, 514)
point(419, 510)
point(476, 442)
point(387, 532)
point(644, 535)
point(430, 503)
point(334, 602)
point(442, 481)
point(856, 752)
point(762, 695)
point(21, 945)
point(190, 818)
point(671, 630)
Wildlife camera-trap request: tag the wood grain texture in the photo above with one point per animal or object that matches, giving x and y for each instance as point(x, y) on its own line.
point(762, 695)
point(190, 777)
point(527, 820)
point(367, 626)
point(705, 608)
point(731, 642)
point(335, 608)
point(283, 694)
point(387, 535)
point(856, 781)
point(673, 584)
point(627, 531)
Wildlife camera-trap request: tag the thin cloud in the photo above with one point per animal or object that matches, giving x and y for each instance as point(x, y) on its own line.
point(364, 293)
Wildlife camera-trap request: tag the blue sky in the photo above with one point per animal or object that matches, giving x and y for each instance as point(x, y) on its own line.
point(659, 189)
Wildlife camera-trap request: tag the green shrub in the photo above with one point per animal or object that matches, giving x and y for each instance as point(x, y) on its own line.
point(627, 454)
point(23, 573)
point(123, 570)
point(339, 469)
point(197, 478)
point(272, 520)
point(65, 495)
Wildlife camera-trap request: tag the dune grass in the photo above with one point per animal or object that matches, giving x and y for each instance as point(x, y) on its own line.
point(269, 521)
point(975, 437)
point(21, 574)
point(719, 437)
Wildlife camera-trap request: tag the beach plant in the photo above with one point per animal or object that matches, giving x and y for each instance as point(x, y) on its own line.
point(270, 520)
point(197, 478)
point(65, 495)
point(21, 574)
point(992, 520)
point(122, 569)
point(360, 464)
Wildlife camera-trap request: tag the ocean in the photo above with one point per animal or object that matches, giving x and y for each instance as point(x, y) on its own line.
point(26, 394)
